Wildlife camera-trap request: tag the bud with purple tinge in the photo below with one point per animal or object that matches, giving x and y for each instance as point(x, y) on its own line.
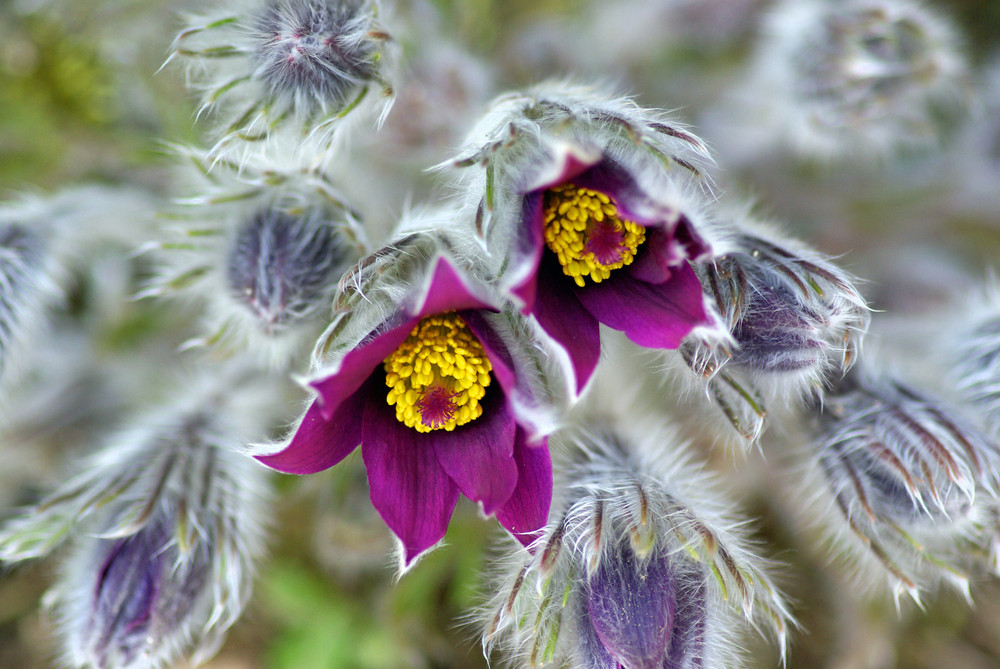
point(262, 66)
point(262, 246)
point(913, 479)
point(794, 318)
point(639, 567)
point(165, 529)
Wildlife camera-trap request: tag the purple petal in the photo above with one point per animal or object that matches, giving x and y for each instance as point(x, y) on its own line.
point(448, 291)
point(665, 249)
point(565, 319)
point(593, 654)
point(658, 258)
point(357, 366)
point(527, 509)
point(478, 456)
point(529, 246)
point(320, 443)
point(409, 489)
point(654, 316)
point(631, 602)
point(687, 642)
point(633, 203)
point(494, 347)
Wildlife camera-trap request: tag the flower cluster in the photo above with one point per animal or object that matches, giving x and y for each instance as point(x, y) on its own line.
point(556, 344)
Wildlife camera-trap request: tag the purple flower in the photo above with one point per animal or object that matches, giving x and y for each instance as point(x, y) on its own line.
point(601, 250)
point(420, 394)
point(588, 208)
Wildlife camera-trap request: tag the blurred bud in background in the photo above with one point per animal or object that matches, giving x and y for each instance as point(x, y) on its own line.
point(857, 79)
point(164, 525)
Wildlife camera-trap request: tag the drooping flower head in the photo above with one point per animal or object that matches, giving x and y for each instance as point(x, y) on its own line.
point(914, 480)
point(445, 390)
point(862, 77)
point(639, 567)
point(262, 247)
point(166, 527)
point(588, 210)
point(267, 64)
point(794, 318)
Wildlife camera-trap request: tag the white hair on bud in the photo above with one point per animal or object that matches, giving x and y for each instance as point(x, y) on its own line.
point(261, 248)
point(906, 482)
point(796, 320)
point(621, 499)
point(286, 71)
point(45, 239)
point(856, 79)
point(165, 527)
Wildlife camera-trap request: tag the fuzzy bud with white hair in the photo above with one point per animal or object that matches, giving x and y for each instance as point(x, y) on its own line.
point(641, 566)
point(266, 65)
point(165, 527)
point(794, 317)
point(914, 480)
point(262, 247)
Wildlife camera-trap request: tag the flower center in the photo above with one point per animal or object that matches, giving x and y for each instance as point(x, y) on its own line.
point(437, 377)
point(583, 229)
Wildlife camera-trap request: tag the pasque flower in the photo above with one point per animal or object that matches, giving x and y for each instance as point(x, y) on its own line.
point(793, 317)
point(912, 477)
point(434, 393)
point(638, 568)
point(588, 209)
point(165, 527)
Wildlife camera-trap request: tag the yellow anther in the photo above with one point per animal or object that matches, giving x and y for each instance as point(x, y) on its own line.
point(438, 375)
point(583, 229)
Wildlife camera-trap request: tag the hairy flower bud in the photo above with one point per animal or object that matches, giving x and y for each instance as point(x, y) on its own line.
point(166, 528)
point(637, 568)
point(977, 362)
point(912, 478)
point(863, 77)
point(263, 248)
point(794, 318)
point(264, 65)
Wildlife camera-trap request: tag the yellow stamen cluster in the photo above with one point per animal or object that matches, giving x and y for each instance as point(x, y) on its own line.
point(581, 226)
point(438, 375)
